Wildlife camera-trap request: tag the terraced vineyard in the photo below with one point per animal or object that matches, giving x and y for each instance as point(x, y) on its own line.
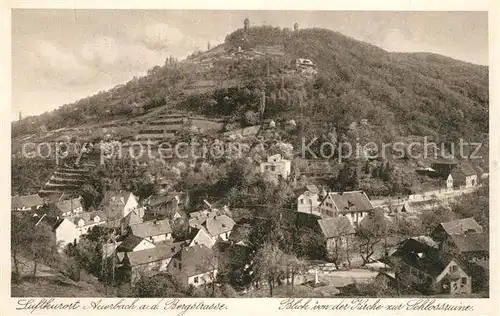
point(65, 179)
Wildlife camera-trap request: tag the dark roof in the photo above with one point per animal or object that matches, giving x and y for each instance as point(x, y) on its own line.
point(160, 252)
point(352, 201)
point(129, 243)
point(467, 169)
point(461, 226)
point(52, 221)
point(471, 242)
point(336, 226)
point(424, 258)
point(151, 228)
point(20, 201)
point(196, 259)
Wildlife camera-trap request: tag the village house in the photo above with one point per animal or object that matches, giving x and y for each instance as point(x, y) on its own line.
point(354, 205)
point(338, 233)
point(131, 243)
point(276, 167)
point(30, 202)
point(456, 227)
point(86, 221)
point(118, 204)
point(148, 262)
point(470, 247)
point(200, 237)
point(464, 176)
point(195, 265)
point(429, 271)
point(457, 176)
point(154, 231)
point(68, 208)
point(463, 238)
point(308, 200)
point(64, 230)
point(215, 225)
point(170, 205)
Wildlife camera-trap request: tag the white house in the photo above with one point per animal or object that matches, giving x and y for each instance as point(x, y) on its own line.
point(276, 167)
point(85, 221)
point(64, 230)
point(308, 200)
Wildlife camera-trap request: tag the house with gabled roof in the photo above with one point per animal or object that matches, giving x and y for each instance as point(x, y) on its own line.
point(354, 205)
point(456, 227)
point(430, 271)
point(217, 226)
point(87, 220)
point(64, 230)
point(195, 265)
point(464, 176)
point(170, 205)
point(148, 262)
point(119, 203)
point(131, 243)
point(308, 199)
point(30, 202)
point(198, 236)
point(154, 231)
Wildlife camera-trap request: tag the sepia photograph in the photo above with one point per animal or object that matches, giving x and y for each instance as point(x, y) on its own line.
point(249, 154)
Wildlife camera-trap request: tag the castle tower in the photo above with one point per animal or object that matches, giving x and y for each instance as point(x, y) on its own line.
point(246, 24)
point(208, 46)
point(20, 115)
point(296, 26)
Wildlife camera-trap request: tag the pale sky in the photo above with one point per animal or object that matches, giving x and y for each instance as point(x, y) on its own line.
point(60, 56)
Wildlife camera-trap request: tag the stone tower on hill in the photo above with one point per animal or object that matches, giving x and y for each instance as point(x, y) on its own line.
point(246, 24)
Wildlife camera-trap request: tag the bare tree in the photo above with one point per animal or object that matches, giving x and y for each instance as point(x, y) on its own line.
point(269, 263)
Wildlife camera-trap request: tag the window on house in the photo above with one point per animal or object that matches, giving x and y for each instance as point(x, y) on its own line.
point(180, 266)
point(301, 201)
point(453, 268)
point(196, 280)
point(273, 168)
point(464, 281)
point(175, 264)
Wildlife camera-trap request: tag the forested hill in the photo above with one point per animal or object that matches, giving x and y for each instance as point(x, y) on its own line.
point(402, 93)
